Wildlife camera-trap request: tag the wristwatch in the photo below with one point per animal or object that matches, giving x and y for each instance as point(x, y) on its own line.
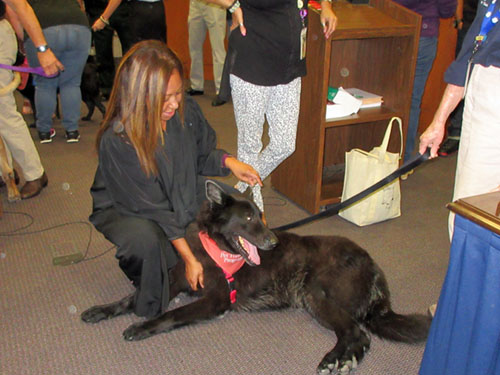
point(42, 48)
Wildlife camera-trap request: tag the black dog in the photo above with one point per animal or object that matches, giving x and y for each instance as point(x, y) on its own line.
point(89, 87)
point(331, 277)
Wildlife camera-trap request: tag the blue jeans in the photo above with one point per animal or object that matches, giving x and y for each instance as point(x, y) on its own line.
point(71, 45)
point(427, 47)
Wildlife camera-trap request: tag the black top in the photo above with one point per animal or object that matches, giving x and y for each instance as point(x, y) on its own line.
point(58, 12)
point(269, 54)
point(171, 199)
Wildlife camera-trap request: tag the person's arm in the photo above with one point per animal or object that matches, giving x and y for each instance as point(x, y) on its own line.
point(103, 19)
point(328, 18)
point(82, 5)
point(459, 15)
point(15, 22)
point(434, 134)
point(194, 269)
point(48, 61)
point(237, 14)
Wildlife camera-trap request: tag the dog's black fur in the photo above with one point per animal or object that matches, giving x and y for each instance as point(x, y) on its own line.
point(331, 277)
point(89, 87)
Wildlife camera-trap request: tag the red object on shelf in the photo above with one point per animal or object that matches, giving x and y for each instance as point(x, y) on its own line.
point(315, 5)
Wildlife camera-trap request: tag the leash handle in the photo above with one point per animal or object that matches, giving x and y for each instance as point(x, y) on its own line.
point(37, 70)
point(413, 163)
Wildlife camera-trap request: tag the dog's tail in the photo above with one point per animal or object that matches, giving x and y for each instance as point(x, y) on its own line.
point(389, 325)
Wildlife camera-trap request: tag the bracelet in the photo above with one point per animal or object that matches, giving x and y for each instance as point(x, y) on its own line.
point(235, 5)
point(104, 20)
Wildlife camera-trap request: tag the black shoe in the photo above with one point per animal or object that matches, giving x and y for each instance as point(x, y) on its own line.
point(218, 101)
point(192, 92)
point(46, 137)
point(449, 146)
point(72, 137)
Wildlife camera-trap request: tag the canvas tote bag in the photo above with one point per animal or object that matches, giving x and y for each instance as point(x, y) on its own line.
point(363, 169)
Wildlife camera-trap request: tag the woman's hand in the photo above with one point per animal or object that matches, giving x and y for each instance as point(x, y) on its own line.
point(98, 25)
point(328, 18)
point(194, 274)
point(243, 171)
point(238, 22)
point(434, 134)
point(194, 269)
point(432, 137)
point(49, 63)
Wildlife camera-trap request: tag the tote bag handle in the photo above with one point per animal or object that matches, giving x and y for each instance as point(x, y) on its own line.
point(387, 135)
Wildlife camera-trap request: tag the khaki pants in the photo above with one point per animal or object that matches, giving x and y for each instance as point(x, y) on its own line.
point(13, 128)
point(203, 17)
point(478, 163)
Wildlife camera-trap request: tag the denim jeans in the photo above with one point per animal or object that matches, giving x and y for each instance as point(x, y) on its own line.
point(427, 47)
point(71, 45)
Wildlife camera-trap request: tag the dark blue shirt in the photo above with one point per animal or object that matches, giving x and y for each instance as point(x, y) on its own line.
point(488, 53)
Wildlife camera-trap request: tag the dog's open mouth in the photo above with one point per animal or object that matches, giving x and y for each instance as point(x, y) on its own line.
point(248, 251)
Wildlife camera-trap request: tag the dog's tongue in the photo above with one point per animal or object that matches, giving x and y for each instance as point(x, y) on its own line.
point(253, 255)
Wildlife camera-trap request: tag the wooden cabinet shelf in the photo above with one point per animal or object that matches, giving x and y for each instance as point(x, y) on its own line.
point(374, 48)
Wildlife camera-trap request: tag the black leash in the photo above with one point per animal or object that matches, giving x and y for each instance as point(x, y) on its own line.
point(333, 210)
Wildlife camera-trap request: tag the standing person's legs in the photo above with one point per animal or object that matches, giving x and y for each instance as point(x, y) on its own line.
point(17, 138)
point(15, 134)
point(120, 22)
point(426, 53)
point(147, 21)
point(249, 102)
point(74, 43)
point(103, 42)
point(215, 19)
point(281, 106)
point(71, 45)
point(282, 113)
point(197, 31)
point(45, 88)
point(478, 162)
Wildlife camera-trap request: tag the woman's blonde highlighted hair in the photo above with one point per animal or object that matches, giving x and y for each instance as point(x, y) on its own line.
point(137, 98)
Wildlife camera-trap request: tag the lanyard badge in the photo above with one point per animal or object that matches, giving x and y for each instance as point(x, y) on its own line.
point(490, 19)
point(303, 32)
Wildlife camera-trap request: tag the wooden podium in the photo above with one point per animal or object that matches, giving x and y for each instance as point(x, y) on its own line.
point(465, 332)
point(374, 48)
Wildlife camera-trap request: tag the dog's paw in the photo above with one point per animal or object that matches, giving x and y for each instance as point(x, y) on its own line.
point(14, 196)
point(340, 367)
point(137, 332)
point(94, 314)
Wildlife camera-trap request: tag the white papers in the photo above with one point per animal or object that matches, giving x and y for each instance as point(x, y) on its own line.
point(344, 104)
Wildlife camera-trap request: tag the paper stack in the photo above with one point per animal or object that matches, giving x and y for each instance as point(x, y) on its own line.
point(344, 104)
point(368, 99)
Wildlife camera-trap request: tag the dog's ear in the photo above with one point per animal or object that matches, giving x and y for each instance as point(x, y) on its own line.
point(215, 193)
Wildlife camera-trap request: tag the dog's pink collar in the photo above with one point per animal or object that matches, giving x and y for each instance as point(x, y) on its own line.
point(229, 263)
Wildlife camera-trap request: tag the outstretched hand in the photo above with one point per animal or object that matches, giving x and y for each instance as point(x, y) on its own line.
point(328, 20)
point(243, 171)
